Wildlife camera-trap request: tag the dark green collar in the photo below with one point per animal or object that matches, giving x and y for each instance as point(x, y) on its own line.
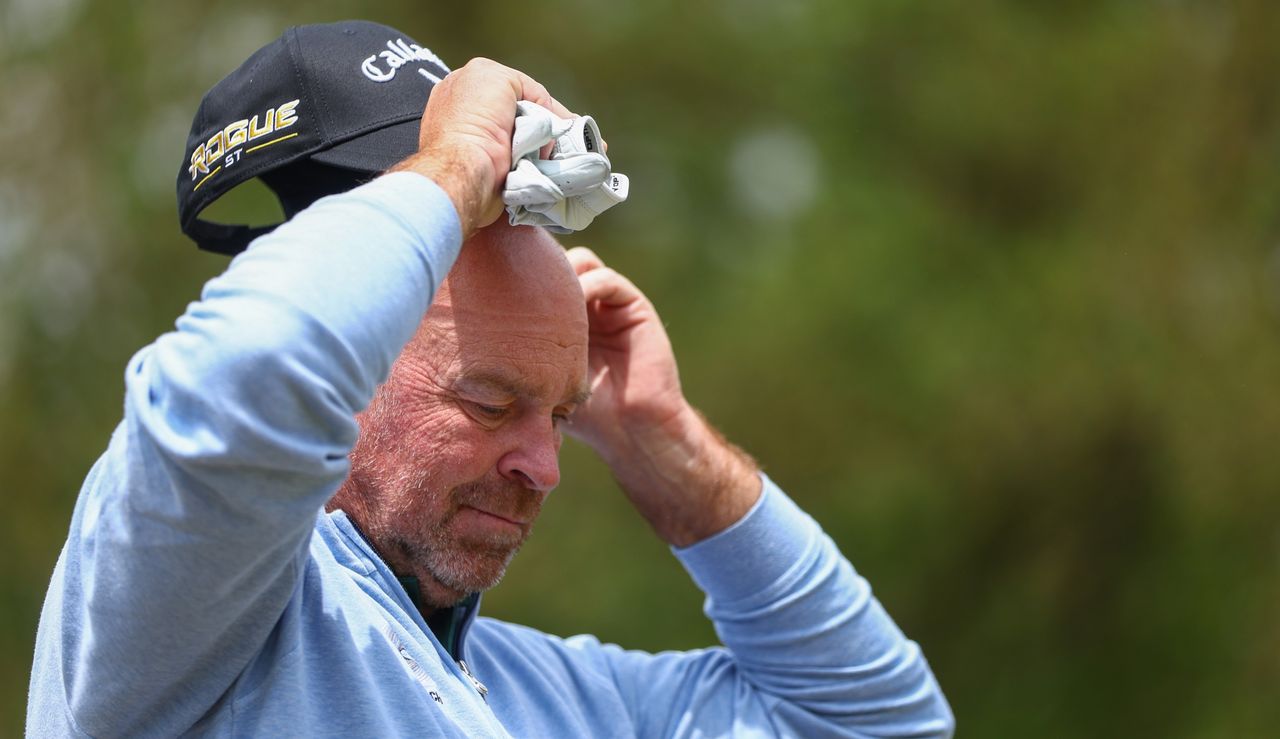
point(445, 623)
point(411, 588)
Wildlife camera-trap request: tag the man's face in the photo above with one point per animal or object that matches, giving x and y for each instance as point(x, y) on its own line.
point(460, 447)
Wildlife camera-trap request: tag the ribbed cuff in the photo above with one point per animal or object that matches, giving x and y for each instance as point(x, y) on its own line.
point(755, 552)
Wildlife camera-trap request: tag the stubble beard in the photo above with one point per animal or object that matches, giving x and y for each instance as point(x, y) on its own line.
point(410, 515)
point(429, 542)
point(467, 564)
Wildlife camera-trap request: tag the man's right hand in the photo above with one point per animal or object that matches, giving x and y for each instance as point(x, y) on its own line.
point(465, 139)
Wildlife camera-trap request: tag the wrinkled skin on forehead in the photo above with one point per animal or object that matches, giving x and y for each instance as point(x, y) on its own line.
point(459, 447)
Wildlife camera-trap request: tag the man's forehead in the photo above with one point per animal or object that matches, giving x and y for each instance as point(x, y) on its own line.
point(508, 274)
point(495, 314)
point(516, 355)
point(496, 327)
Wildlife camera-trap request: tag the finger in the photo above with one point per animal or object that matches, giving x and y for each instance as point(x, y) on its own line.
point(583, 259)
point(522, 85)
point(527, 88)
point(608, 287)
point(533, 91)
point(554, 106)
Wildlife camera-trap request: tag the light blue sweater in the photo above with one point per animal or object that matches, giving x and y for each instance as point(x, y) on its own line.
point(202, 590)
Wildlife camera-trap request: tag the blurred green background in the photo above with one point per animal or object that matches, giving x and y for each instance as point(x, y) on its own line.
point(992, 288)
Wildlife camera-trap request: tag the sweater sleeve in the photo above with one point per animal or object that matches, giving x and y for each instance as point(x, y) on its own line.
point(190, 533)
point(808, 651)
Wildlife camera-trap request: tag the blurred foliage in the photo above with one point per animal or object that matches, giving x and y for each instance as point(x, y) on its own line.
point(989, 286)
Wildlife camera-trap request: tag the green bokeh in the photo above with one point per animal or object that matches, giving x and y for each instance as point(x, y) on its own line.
point(989, 286)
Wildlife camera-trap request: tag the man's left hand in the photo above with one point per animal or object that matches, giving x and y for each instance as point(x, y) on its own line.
point(679, 473)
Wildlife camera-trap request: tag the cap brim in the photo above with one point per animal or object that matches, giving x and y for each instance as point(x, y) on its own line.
point(376, 151)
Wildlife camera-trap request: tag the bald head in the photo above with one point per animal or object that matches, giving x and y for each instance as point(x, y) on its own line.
point(511, 294)
point(506, 268)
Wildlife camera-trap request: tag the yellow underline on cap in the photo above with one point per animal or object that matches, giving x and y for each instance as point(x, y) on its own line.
point(269, 143)
point(206, 179)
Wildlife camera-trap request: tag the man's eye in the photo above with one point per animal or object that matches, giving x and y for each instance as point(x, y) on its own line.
point(489, 412)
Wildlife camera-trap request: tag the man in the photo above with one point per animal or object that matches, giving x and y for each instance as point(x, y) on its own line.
point(392, 357)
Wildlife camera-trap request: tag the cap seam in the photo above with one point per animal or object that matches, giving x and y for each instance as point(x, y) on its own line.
point(303, 80)
point(380, 123)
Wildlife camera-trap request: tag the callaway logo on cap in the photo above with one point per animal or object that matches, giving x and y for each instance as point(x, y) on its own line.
point(348, 95)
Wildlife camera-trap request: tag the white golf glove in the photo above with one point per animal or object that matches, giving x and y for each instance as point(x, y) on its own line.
point(566, 191)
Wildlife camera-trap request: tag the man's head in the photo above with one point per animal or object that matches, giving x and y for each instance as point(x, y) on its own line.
point(459, 447)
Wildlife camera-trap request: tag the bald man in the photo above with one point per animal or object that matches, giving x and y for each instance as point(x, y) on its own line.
point(347, 439)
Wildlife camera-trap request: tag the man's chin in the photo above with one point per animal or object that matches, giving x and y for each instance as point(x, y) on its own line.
point(460, 575)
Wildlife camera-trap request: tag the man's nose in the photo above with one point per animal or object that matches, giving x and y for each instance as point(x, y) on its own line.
point(534, 460)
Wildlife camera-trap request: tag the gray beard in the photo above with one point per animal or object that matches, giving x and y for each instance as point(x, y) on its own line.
point(430, 549)
point(462, 570)
point(464, 566)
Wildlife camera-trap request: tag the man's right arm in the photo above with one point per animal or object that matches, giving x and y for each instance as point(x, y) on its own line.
point(190, 533)
point(191, 530)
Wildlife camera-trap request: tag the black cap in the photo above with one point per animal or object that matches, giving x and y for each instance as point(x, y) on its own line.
point(313, 112)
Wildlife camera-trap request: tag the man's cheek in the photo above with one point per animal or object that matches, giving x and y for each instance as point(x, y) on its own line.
point(431, 422)
point(448, 441)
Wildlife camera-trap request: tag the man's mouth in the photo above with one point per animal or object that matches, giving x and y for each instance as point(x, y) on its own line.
point(498, 516)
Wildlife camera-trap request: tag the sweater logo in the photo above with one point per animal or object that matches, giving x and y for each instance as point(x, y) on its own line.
point(411, 664)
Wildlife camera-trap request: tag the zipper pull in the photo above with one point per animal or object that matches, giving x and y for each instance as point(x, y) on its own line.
point(480, 688)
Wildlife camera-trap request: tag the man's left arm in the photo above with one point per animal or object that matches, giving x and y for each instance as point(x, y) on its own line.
point(807, 642)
